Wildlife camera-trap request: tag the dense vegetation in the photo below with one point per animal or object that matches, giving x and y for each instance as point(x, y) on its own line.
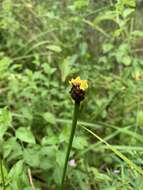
point(43, 44)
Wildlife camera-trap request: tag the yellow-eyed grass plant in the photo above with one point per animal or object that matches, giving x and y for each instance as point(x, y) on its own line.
point(77, 93)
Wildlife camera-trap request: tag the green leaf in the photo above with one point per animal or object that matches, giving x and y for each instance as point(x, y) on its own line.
point(60, 158)
point(4, 67)
point(109, 188)
point(64, 135)
point(9, 145)
point(126, 60)
point(32, 156)
point(54, 48)
point(25, 135)
point(5, 121)
point(48, 69)
point(137, 33)
point(127, 12)
point(48, 157)
point(131, 3)
point(16, 170)
point(107, 47)
point(140, 118)
point(15, 175)
point(4, 172)
point(49, 117)
point(50, 140)
point(65, 68)
point(57, 175)
point(79, 142)
point(80, 4)
point(49, 151)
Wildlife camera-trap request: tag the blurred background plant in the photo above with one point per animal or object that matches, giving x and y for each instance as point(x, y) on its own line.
point(42, 45)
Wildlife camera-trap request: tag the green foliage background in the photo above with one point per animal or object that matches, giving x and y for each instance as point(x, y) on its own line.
point(45, 43)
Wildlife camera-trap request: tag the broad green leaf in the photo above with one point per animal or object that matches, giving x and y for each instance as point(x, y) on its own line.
point(15, 175)
point(49, 151)
point(126, 60)
point(10, 145)
point(60, 158)
point(79, 142)
point(32, 156)
point(25, 135)
point(47, 157)
point(16, 170)
point(57, 175)
point(49, 117)
point(50, 140)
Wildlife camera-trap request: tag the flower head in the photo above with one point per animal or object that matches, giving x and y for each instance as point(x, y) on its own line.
point(78, 89)
point(83, 85)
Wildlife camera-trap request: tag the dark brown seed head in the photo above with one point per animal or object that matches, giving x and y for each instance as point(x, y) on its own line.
point(77, 94)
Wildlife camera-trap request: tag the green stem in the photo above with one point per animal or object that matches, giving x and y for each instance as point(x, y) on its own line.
point(2, 174)
point(74, 122)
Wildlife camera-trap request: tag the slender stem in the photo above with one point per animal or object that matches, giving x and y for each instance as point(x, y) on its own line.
point(30, 179)
point(2, 174)
point(74, 122)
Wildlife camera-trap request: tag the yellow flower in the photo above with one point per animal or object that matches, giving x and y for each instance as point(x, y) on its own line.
point(83, 85)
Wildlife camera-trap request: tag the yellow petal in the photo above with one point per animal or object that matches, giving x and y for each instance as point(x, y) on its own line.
point(75, 81)
point(82, 83)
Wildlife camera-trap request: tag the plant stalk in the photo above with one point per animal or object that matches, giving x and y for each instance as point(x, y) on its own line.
point(74, 122)
point(2, 174)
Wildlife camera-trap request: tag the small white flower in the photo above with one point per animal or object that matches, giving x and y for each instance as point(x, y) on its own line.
point(116, 171)
point(72, 163)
